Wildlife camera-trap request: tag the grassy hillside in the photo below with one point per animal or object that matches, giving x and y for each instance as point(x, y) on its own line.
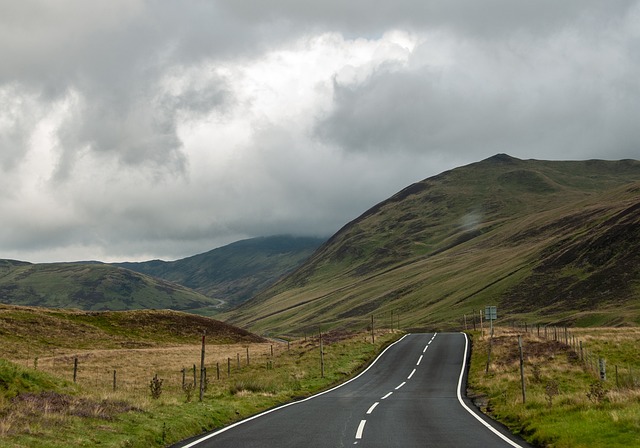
point(26, 332)
point(91, 287)
point(545, 240)
point(234, 273)
point(118, 354)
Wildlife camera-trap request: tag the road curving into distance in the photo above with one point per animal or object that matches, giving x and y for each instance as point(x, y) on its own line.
point(410, 396)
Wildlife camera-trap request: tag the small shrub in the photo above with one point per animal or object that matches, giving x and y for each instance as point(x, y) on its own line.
point(597, 393)
point(188, 391)
point(551, 390)
point(537, 373)
point(156, 387)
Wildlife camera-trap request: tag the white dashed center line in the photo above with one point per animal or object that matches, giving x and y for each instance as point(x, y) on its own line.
point(360, 429)
point(373, 406)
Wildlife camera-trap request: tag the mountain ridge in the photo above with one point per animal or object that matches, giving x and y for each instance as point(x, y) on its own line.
point(465, 212)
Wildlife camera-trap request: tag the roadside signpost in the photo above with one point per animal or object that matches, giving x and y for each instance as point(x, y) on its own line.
point(491, 314)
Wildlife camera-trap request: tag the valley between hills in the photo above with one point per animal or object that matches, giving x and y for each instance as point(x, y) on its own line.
point(549, 243)
point(545, 241)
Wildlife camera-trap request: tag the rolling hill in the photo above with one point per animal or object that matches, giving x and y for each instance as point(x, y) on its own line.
point(93, 287)
point(547, 241)
point(202, 283)
point(234, 273)
point(28, 331)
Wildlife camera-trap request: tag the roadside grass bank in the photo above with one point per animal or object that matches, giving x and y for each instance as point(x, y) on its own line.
point(41, 406)
point(567, 404)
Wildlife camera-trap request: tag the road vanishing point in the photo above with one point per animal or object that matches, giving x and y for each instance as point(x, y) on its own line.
point(410, 396)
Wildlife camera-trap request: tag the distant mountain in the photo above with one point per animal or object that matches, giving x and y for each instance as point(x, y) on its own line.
point(234, 273)
point(202, 283)
point(547, 241)
point(92, 287)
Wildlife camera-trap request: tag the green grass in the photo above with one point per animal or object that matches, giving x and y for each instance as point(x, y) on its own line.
point(571, 418)
point(96, 416)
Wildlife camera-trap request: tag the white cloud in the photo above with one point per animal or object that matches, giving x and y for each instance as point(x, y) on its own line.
point(135, 130)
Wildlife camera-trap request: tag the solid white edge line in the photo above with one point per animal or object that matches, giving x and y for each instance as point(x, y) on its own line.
point(411, 374)
point(373, 406)
point(476, 416)
point(233, 425)
point(360, 429)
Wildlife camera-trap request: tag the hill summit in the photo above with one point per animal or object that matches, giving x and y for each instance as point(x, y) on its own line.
point(542, 240)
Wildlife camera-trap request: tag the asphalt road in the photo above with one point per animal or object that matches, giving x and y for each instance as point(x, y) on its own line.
point(409, 397)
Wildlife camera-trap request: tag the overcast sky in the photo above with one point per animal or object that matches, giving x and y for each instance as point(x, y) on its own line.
point(133, 130)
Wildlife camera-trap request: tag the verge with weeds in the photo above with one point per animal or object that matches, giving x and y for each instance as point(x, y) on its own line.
point(567, 405)
point(41, 409)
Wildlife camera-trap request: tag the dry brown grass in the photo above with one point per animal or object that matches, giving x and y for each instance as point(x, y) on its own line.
point(136, 367)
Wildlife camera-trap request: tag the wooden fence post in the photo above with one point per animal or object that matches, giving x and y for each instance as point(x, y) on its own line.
point(75, 369)
point(321, 357)
point(603, 369)
point(202, 369)
point(524, 391)
point(114, 380)
point(373, 336)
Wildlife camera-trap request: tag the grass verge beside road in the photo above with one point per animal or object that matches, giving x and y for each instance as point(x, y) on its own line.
point(43, 407)
point(567, 405)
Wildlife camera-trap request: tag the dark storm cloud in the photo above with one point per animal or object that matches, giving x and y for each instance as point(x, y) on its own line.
point(113, 57)
point(487, 18)
point(570, 94)
point(152, 127)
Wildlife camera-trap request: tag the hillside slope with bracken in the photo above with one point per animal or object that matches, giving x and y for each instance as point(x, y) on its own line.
point(544, 240)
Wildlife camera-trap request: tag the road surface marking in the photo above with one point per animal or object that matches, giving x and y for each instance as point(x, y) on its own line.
point(477, 417)
point(425, 348)
point(411, 374)
point(360, 429)
point(293, 403)
point(419, 360)
point(401, 384)
point(387, 396)
point(373, 406)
